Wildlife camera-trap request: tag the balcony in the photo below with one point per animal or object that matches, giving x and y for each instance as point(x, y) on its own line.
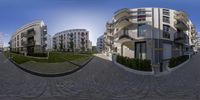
point(30, 34)
point(24, 43)
point(122, 22)
point(44, 32)
point(122, 37)
point(180, 38)
point(31, 43)
point(23, 35)
point(181, 21)
point(120, 13)
point(45, 38)
point(45, 45)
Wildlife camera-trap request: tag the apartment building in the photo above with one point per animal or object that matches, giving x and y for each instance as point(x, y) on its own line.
point(90, 45)
point(72, 40)
point(49, 42)
point(30, 38)
point(150, 33)
point(1, 42)
point(100, 44)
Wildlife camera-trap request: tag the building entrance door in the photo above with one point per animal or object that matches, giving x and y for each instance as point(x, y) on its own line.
point(140, 50)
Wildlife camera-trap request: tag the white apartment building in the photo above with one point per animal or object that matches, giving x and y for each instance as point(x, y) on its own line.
point(1, 42)
point(49, 42)
point(150, 33)
point(90, 45)
point(100, 44)
point(30, 38)
point(72, 40)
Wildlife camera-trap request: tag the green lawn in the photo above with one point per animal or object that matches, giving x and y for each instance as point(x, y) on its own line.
point(54, 57)
point(46, 68)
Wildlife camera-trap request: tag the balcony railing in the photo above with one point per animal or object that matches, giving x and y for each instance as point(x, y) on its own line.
point(45, 38)
point(122, 12)
point(24, 43)
point(31, 34)
point(122, 37)
point(181, 21)
point(180, 38)
point(31, 43)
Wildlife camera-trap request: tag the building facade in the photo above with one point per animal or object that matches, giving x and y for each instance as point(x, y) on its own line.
point(90, 45)
point(72, 40)
point(1, 42)
point(150, 33)
point(30, 38)
point(49, 42)
point(100, 44)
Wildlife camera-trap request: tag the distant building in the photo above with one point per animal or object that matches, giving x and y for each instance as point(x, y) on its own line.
point(49, 42)
point(100, 44)
point(90, 45)
point(94, 49)
point(1, 41)
point(30, 38)
point(72, 40)
point(6, 48)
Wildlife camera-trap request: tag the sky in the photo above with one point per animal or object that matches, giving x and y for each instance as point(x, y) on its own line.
point(92, 15)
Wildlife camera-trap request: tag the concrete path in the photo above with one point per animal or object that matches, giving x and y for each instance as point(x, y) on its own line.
point(101, 80)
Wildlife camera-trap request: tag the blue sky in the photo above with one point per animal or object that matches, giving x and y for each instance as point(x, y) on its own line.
point(92, 15)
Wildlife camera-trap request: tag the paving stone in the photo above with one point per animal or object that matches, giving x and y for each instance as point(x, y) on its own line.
point(101, 80)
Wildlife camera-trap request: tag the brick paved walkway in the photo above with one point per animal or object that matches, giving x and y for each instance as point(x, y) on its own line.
point(100, 80)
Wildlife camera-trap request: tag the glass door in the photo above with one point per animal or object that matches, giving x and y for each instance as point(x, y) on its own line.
point(140, 50)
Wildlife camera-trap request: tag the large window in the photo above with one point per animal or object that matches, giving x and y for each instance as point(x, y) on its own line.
point(166, 31)
point(140, 50)
point(166, 19)
point(141, 30)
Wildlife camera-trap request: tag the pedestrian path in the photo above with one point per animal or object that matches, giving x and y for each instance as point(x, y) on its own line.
point(101, 80)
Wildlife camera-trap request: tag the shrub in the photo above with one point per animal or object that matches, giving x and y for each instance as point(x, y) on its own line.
point(137, 64)
point(174, 61)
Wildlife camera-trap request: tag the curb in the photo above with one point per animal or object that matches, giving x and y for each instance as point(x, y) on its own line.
point(51, 75)
point(131, 70)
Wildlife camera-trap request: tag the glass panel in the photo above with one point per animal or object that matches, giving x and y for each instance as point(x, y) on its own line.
point(143, 55)
point(141, 50)
point(141, 30)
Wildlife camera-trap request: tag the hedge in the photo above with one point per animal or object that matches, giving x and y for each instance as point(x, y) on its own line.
point(137, 64)
point(174, 61)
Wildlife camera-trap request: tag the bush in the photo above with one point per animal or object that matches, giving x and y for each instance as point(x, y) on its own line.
point(137, 64)
point(174, 61)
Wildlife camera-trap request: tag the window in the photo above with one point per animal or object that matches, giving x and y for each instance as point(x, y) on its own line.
point(166, 19)
point(17, 43)
point(166, 12)
point(141, 12)
point(125, 31)
point(141, 30)
point(140, 50)
point(141, 18)
point(17, 37)
point(166, 31)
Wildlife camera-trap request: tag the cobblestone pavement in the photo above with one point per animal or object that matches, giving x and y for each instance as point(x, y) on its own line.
point(101, 80)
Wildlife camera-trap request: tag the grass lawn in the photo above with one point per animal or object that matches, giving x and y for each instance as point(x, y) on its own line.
point(54, 57)
point(46, 68)
point(56, 63)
